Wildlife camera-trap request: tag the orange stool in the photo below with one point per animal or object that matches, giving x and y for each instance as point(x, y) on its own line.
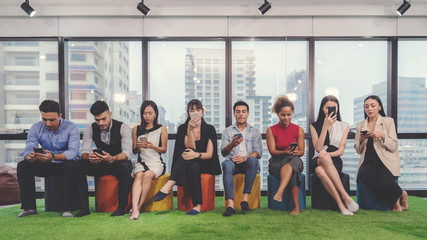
point(107, 194)
point(208, 195)
point(254, 197)
point(156, 185)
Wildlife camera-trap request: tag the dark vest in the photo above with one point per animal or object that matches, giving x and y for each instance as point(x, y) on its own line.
point(115, 146)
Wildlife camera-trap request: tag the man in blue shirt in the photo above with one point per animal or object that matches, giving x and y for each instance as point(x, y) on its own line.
point(242, 147)
point(60, 140)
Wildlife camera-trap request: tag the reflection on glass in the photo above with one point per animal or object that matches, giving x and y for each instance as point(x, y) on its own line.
point(28, 81)
point(182, 71)
point(104, 70)
point(263, 70)
point(412, 90)
point(351, 71)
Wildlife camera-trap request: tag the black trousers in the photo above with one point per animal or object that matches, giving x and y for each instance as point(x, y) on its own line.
point(380, 180)
point(188, 172)
point(120, 169)
point(26, 172)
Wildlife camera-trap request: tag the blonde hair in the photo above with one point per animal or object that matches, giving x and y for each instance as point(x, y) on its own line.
point(282, 101)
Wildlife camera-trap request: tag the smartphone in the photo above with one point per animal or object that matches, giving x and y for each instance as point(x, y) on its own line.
point(331, 110)
point(194, 115)
point(143, 138)
point(293, 146)
point(238, 135)
point(364, 132)
point(99, 151)
point(39, 150)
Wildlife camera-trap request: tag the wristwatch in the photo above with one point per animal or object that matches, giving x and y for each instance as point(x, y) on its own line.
point(200, 155)
point(53, 157)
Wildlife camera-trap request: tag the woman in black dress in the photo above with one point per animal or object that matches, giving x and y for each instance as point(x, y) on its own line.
point(195, 153)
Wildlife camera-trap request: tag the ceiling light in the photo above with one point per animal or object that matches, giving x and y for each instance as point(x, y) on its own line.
point(27, 8)
point(403, 8)
point(264, 8)
point(142, 8)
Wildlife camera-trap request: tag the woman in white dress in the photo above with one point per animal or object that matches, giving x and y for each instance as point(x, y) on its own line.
point(329, 136)
point(149, 141)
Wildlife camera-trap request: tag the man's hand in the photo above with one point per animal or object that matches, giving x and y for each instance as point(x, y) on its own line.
point(47, 157)
point(239, 159)
point(94, 159)
point(106, 157)
point(31, 157)
point(235, 141)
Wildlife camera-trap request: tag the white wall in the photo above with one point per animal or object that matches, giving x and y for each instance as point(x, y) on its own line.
point(138, 26)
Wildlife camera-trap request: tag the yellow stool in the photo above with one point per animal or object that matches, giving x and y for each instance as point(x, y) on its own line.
point(165, 204)
point(254, 197)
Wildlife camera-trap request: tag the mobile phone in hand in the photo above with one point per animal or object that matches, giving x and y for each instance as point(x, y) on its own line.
point(39, 150)
point(99, 151)
point(238, 135)
point(293, 146)
point(331, 110)
point(364, 132)
point(194, 115)
point(143, 138)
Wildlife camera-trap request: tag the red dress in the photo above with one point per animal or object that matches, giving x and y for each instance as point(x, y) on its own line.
point(285, 136)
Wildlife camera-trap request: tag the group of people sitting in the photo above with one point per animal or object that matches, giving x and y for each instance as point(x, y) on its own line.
point(195, 153)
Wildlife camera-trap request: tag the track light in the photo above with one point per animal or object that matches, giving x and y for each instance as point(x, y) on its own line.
point(27, 8)
point(403, 8)
point(142, 8)
point(264, 8)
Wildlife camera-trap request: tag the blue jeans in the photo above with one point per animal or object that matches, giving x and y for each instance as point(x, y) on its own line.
point(229, 168)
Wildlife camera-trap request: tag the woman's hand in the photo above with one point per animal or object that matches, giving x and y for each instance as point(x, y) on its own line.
point(189, 154)
point(329, 120)
point(140, 144)
point(194, 123)
point(375, 134)
point(322, 154)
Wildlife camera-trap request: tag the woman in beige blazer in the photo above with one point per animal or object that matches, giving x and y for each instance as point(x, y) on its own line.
point(379, 165)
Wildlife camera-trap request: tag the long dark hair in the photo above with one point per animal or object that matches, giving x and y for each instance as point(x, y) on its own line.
point(375, 97)
point(321, 115)
point(193, 103)
point(144, 105)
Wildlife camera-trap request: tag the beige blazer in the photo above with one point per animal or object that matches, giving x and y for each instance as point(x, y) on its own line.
point(387, 150)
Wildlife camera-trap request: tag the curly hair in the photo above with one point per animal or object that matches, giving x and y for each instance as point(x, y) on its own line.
point(282, 101)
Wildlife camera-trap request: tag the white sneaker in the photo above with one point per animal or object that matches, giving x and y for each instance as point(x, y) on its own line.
point(27, 212)
point(353, 206)
point(66, 214)
point(346, 212)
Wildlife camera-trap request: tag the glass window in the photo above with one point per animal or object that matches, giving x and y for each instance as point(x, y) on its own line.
point(52, 76)
point(412, 90)
point(24, 66)
point(414, 164)
point(263, 70)
point(351, 71)
point(94, 72)
point(176, 72)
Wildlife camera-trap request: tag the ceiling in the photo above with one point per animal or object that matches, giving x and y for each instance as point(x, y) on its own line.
point(213, 8)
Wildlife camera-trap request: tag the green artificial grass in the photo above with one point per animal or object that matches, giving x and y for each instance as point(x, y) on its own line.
point(260, 223)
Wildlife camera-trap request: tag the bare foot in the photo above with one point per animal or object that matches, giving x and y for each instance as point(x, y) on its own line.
point(397, 207)
point(278, 197)
point(134, 214)
point(295, 211)
point(404, 200)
